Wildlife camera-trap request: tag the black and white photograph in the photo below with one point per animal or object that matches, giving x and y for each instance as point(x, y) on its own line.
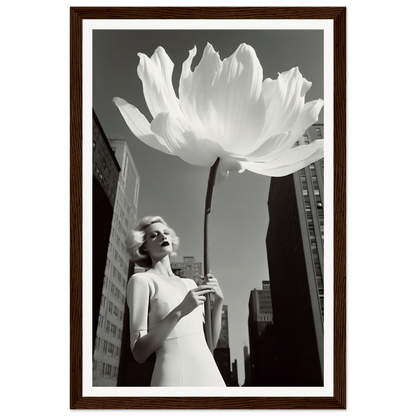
point(208, 202)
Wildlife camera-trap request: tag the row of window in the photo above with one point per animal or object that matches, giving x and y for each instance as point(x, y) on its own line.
point(311, 228)
point(107, 347)
point(118, 276)
point(116, 238)
point(113, 309)
point(104, 370)
point(317, 130)
point(110, 328)
point(264, 318)
point(113, 254)
point(115, 291)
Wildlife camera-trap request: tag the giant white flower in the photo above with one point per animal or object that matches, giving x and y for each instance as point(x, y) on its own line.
point(225, 110)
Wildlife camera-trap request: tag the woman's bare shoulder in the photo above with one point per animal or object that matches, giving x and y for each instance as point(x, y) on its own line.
point(139, 278)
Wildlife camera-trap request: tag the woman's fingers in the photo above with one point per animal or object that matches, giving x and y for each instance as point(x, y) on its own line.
point(202, 288)
point(207, 277)
point(211, 281)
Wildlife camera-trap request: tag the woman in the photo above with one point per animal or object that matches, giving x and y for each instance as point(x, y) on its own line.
point(166, 312)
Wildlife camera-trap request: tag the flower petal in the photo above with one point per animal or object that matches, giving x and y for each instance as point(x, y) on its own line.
point(289, 162)
point(183, 142)
point(156, 75)
point(227, 165)
point(284, 98)
point(309, 115)
point(237, 99)
point(266, 152)
point(223, 99)
point(193, 87)
point(281, 142)
point(139, 125)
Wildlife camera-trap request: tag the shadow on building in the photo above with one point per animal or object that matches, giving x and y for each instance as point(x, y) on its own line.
point(295, 258)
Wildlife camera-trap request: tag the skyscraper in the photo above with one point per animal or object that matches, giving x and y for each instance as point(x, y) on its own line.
point(113, 293)
point(247, 367)
point(234, 374)
point(260, 320)
point(222, 349)
point(295, 253)
point(105, 178)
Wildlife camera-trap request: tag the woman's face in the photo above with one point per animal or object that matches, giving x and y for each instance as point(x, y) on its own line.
point(158, 241)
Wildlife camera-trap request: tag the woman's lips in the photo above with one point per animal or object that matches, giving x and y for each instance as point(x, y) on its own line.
point(165, 243)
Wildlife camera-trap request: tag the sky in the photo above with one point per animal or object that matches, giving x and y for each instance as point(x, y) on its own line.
point(175, 190)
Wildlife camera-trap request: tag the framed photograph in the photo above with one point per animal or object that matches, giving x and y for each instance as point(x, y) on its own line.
point(220, 113)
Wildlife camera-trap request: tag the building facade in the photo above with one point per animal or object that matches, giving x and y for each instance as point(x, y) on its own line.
point(260, 321)
point(188, 268)
point(105, 178)
point(234, 374)
point(222, 350)
point(295, 252)
point(108, 338)
point(247, 368)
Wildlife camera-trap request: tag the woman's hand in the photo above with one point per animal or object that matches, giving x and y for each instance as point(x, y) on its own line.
point(212, 282)
point(193, 299)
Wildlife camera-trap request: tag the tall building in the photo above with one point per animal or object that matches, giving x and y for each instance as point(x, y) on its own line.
point(105, 178)
point(247, 367)
point(131, 373)
point(188, 268)
point(234, 374)
point(113, 294)
point(260, 321)
point(295, 253)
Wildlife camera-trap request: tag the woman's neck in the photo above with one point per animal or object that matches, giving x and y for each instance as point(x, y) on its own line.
point(162, 267)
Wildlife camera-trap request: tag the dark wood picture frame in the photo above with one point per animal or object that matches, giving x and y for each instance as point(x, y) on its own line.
point(338, 15)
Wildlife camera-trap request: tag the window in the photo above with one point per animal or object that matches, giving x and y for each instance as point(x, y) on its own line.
point(107, 371)
point(110, 350)
point(318, 133)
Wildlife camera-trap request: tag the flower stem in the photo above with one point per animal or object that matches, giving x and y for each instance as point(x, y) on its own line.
point(208, 199)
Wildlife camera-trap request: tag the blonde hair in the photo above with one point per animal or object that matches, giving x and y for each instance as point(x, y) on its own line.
point(137, 236)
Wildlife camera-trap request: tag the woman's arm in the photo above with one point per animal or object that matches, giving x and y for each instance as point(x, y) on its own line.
point(216, 314)
point(144, 342)
point(150, 342)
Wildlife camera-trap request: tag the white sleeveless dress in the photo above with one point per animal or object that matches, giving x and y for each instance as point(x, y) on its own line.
point(184, 358)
